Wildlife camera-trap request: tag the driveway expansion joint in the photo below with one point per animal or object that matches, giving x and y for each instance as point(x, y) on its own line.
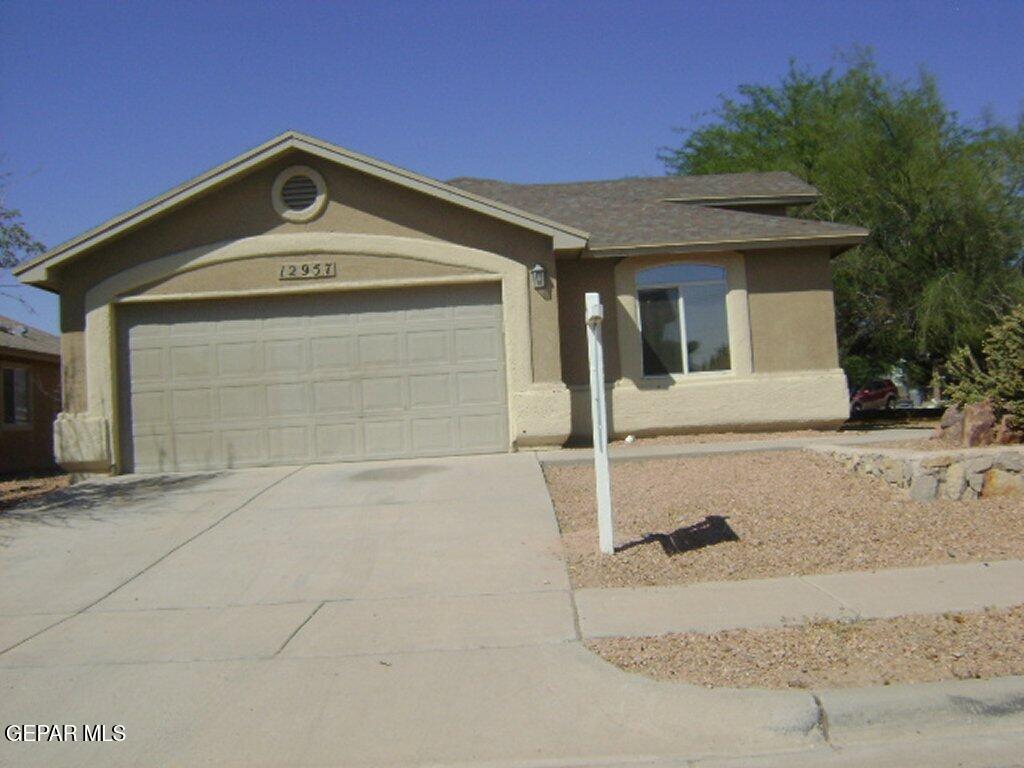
point(845, 606)
point(156, 562)
point(298, 629)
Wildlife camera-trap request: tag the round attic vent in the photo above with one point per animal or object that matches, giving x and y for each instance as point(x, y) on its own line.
point(299, 193)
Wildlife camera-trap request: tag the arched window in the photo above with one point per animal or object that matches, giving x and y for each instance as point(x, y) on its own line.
point(683, 324)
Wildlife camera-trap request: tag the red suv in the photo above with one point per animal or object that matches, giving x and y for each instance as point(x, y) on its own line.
point(878, 394)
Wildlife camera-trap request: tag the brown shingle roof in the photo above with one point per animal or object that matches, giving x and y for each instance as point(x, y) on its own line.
point(31, 340)
point(636, 212)
point(709, 187)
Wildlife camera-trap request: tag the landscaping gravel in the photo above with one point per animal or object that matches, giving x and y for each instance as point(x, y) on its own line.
point(19, 489)
point(908, 649)
point(792, 512)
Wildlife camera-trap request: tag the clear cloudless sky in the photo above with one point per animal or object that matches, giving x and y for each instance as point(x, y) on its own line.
point(103, 105)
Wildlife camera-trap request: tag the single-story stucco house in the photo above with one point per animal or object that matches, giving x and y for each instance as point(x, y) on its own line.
point(305, 303)
point(29, 396)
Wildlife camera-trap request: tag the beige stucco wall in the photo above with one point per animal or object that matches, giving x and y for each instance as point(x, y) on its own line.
point(358, 203)
point(792, 315)
point(538, 411)
point(727, 403)
point(72, 369)
point(232, 242)
point(784, 368)
point(577, 277)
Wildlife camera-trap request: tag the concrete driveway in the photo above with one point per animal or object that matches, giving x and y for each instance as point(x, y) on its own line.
point(392, 613)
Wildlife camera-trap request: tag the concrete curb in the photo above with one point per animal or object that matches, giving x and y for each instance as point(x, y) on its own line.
point(939, 725)
point(936, 751)
point(864, 715)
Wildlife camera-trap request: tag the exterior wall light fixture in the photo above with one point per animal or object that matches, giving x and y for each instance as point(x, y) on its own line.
point(538, 276)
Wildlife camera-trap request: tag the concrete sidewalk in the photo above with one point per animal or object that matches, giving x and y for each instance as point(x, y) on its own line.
point(716, 606)
point(642, 451)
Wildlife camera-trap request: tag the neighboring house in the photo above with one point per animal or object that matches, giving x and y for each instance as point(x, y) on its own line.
point(305, 303)
point(29, 396)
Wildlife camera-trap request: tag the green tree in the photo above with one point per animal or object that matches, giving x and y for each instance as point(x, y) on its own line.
point(943, 201)
point(16, 244)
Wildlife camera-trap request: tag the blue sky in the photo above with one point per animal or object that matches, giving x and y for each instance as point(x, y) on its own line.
point(105, 104)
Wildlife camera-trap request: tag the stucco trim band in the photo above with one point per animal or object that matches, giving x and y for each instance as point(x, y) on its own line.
point(298, 288)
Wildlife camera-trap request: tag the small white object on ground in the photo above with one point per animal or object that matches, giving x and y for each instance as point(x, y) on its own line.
point(630, 439)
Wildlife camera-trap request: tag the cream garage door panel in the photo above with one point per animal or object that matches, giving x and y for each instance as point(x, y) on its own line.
point(330, 377)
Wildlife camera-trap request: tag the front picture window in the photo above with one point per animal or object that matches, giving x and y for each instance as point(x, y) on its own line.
point(15, 396)
point(683, 322)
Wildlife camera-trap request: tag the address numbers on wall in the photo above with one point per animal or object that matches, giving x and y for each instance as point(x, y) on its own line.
point(308, 270)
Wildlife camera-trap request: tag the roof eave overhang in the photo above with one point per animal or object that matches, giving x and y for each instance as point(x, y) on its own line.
point(29, 354)
point(844, 242)
point(37, 271)
point(842, 248)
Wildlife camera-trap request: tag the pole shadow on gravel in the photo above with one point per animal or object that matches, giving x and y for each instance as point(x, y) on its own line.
point(713, 529)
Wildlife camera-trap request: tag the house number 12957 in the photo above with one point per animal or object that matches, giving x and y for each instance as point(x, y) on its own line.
point(308, 270)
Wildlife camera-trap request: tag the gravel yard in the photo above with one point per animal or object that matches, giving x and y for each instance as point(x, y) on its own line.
point(908, 649)
point(789, 513)
point(15, 490)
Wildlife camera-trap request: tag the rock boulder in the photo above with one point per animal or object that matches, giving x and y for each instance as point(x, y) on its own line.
point(1007, 433)
point(979, 424)
point(951, 428)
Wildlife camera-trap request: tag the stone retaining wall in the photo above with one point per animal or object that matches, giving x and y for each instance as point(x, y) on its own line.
point(926, 475)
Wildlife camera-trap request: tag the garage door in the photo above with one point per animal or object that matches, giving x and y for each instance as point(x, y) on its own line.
point(323, 377)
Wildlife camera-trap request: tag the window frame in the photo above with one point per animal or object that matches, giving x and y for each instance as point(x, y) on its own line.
point(681, 309)
point(29, 405)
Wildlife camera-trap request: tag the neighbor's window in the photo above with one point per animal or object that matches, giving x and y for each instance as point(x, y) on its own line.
point(15, 396)
point(683, 324)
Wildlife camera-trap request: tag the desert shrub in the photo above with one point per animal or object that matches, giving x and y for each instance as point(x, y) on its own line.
point(997, 375)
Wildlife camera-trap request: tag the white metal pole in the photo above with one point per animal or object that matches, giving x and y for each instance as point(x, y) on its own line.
point(598, 417)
